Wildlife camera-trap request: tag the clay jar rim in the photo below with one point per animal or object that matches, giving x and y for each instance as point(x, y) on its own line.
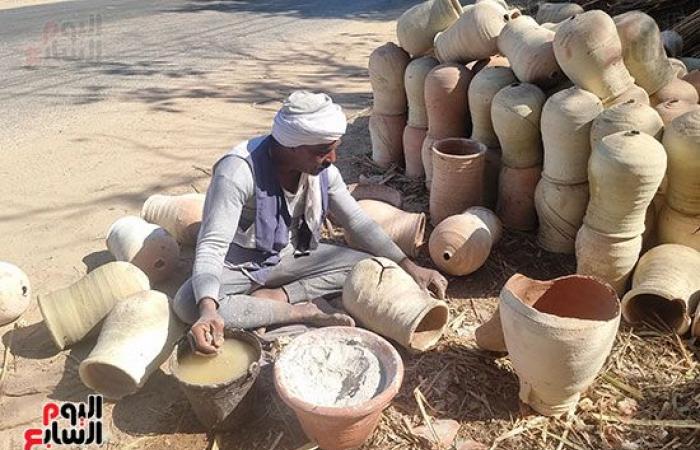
point(388, 357)
point(471, 149)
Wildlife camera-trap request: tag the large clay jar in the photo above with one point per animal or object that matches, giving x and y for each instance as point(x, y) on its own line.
point(556, 12)
point(417, 27)
point(462, 243)
point(560, 210)
point(674, 227)
point(413, 139)
point(414, 81)
point(473, 36)
point(386, 133)
point(559, 344)
point(515, 112)
point(528, 47)
point(665, 287)
point(675, 89)
point(643, 51)
point(607, 258)
point(180, 215)
point(682, 143)
point(627, 116)
point(670, 109)
point(145, 245)
point(369, 295)
point(516, 197)
point(387, 65)
point(136, 338)
point(634, 92)
point(72, 312)
point(694, 79)
point(589, 51)
point(483, 88)
point(15, 292)
point(625, 171)
point(458, 183)
point(566, 127)
point(672, 42)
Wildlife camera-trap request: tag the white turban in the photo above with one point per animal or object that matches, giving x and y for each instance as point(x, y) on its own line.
point(308, 119)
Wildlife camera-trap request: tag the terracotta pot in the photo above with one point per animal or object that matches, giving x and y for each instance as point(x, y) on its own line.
point(694, 79)
point(136, 338)
point(559, 344)
point(670, 109)
point(145, 245)
point(462, 243)
point(682, 143)
point(492, 170)
point(416, 322)
point(674, 227)
point(678, 68)
point(643, 51)
point(589, 51)
point(634, 92)
point(413, 139)
point(566, 128)
point(672, 43)
point(675, 89)
point(458, 183)
point(414, 81)
point(528, 47)
point(560, 210)
point(72, 312)
point(627, 116)
point(386, 133)
point(556, 12)
point(417, 27)
point(665, 287)
point(491, 61)
point(15, 292)
point(516, 197)
point(515, 112)
point(180, 215)
point(607, 258)
point(473, 36)
point(624, 172)
point(446, 100)
point(483, 88)
point(340, 428)
point(387, 65)
point(406, 229)
point(379, 192)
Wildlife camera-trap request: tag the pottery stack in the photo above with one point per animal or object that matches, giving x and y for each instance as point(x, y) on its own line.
point(417, 124)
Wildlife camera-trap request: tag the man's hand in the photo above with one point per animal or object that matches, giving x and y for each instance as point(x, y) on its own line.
point(207, 334)
point(427, 279)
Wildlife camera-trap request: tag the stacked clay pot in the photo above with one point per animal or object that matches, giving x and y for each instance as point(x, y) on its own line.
point(180, 215)
point(561, 197)
point(557, 12)
point(625, 171)
point(630, 115)
point(446, 106)
point(417, 27)
point(417, 124)
point(516, 112)
point(675, 89)
point(670, 109)
point(387, 65)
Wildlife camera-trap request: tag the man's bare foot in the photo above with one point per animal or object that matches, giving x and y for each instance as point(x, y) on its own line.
point(313, 315)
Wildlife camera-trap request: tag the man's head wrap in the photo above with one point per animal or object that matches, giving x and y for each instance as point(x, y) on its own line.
point(308, 119)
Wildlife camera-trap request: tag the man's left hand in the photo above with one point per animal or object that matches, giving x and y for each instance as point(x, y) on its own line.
point(427, 279)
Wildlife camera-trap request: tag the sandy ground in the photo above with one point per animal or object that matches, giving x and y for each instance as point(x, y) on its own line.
point(11, 4)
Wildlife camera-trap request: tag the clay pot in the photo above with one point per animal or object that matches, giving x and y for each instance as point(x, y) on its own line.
point(627, 116)
point(589, 51)
point(664, 287)
point(473, 36)
point(380, 192)
point(675, 89)
point(386, 133)
point(387, 65)
point(560, 210)
point(180, 215)
point(566, 128)
point(678, 68)
point(515, 113)
point(624, 172)
point(559, 344)
point(136, 338)
point(674, 227)
point(333, 427)
point(672, 43)
point(458, 183)
point(643, 51)
point(670, 109)
point(417, 27)
point(682, 143)
point(15, 292)
point(649, 236)
point(446, 100)
point(528, 47)
point(492, 170)
point(607, 258)
point(406, 229)
point(516, 197)
point(491, 61)
point(145, 245)
point(416, 322)
point(414, 81)
point(72, 312)
point(483, 88)
point(634, 92)
point(413, 139)
point(556, 12)
point(461, 244)
point(694, 79)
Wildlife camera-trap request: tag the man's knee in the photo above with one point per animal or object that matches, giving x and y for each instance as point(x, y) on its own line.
point(184, 304)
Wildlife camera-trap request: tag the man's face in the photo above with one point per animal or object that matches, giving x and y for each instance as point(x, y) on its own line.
point(312, 159)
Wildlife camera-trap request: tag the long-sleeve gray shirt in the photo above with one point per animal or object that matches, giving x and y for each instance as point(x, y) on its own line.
point(230, 202)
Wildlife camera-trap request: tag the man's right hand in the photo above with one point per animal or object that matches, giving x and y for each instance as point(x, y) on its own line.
point(208, 332)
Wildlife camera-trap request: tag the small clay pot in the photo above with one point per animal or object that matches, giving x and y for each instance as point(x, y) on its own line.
point(630, 115)
point(386, 133)
point(560, 210)
point(516, 197)
point(446, 105)
point(414, 80)
point(682, 143)
point(413, 139)
point(417, 26)
point(180, 215)
point(379, 192)
point(670, 109)
point(556, 12)
point(634, 92)
point(675, 89)
point(387, 65)
point(15, 292)
point(483, 88)
point(491, 61)
point(674, 227)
